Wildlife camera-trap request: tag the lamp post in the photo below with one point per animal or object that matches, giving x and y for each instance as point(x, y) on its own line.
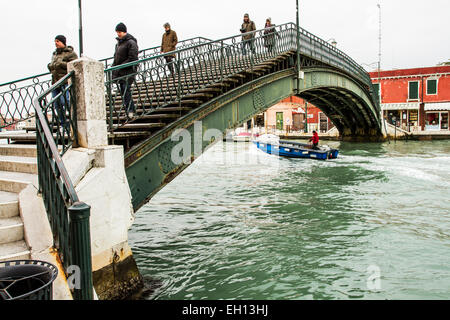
point(80, 30)
point(299, 76)
point(306, 116)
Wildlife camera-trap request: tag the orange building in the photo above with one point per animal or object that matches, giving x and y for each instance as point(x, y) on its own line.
point(289, 115)
point(415, 99)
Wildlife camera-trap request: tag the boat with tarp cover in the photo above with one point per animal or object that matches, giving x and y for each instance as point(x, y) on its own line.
point(272, 144)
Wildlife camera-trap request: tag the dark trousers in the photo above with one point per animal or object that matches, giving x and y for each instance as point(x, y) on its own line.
point(269, 48)
point(125, 91)
point(170, 63)
point(61, 104)
point(250, 44)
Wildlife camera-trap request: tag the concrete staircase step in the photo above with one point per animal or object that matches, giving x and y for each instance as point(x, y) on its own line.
point(16, 181)
point(18, 164)
point(11, 230)
point(18, 150)
point(17, 250)
point(9, 204)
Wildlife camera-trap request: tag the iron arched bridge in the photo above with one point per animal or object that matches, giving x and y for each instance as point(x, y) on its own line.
point(222, 84)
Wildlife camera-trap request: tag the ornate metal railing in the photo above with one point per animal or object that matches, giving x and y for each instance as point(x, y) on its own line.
point(69, 218)
point(16, 97)
point(154, 51)
point(151, 85)
point(197, 59)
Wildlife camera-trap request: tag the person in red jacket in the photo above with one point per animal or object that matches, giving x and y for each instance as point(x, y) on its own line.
point(315, 140)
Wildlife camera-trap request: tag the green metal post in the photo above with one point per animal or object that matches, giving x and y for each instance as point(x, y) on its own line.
point(222, 61)
point(109, 84)
point(80, 31)
point(298, 47)
point(80, 236)
point(178, 67)
point(306, 117)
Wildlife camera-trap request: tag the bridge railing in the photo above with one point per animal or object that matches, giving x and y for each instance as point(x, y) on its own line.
point(69, 218)
point(16, 97)
point(150, 84)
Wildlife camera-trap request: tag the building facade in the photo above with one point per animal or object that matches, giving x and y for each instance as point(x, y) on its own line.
point(289, 115)
point(415, 99)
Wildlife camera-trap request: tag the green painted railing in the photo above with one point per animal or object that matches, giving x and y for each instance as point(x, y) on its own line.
point(153, 86)
point(16, 97)
point(55, 111)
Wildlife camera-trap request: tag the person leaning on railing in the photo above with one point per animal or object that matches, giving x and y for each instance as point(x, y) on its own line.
point(58, 68)
point(126, 51)
point(169, 43)
point(248, 39)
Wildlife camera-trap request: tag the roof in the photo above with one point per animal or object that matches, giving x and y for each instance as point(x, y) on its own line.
point(410, 72)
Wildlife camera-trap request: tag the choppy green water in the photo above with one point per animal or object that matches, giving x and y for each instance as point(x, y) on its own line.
point(240, 224)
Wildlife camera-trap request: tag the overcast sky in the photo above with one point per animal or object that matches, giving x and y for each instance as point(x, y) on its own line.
point(415, 32)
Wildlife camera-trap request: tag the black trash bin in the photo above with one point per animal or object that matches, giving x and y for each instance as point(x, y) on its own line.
point(27, 280)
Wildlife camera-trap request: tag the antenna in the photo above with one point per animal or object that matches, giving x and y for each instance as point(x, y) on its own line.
point(379, 41)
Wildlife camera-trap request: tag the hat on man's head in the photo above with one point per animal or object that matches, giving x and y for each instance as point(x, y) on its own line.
point(246, 15)
point(121, 27)
point(166, 25)
point(61, 38)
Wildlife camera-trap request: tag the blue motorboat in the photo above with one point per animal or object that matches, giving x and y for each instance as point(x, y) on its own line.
point(271, 145)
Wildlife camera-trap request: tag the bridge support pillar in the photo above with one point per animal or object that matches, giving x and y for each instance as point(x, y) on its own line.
point(91, 106)
point(98, 173)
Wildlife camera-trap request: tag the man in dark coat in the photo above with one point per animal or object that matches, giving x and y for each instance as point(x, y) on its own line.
point(169, 43)
point(126, 51)
point(58, 68)
point(61, 56)
point(248, 39)
point(269, 35)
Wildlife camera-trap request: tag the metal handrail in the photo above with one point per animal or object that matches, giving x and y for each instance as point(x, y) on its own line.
point(21, 96)
point(203, 64)
point(361, 71)
point(192, 40)
point(68, 217)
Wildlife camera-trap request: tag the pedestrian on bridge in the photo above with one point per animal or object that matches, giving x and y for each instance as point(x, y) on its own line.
point(126, 51)
point(248, 39)
point(58, 68)
point(169, 43)
point(269, 35)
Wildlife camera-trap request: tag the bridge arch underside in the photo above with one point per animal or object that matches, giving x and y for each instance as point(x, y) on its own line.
point(348, 112)
point(150, 165)
point(346, 102)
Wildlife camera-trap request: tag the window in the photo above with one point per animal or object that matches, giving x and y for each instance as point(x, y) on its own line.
point(376, 88)
point(413, 93)
point(432, 86)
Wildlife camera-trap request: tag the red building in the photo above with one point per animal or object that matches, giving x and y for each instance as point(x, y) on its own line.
point(289, 115)
point(415, 99)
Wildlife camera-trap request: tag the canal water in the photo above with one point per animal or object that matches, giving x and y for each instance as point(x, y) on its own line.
point(241, 224)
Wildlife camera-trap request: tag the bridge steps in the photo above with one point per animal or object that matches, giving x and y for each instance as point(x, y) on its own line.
point(162, 97)
point(157, 103)
point(18, 168)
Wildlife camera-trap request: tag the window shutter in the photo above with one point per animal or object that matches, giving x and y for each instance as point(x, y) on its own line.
point(414, 90)
point(432, 86)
